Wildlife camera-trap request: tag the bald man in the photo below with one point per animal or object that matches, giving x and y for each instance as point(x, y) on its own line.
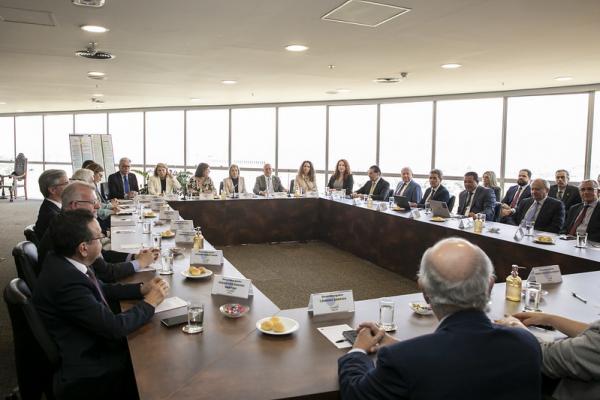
point(467, 355)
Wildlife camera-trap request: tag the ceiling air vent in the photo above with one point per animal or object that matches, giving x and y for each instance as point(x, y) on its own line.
point(364, 13)
point(89, 3)
point(93, 53)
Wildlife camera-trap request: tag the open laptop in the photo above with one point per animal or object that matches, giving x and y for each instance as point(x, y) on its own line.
point(402, 202)
point(440, 209)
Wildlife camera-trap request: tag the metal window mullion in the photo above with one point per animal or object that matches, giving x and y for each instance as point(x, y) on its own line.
point(378, 135)
point(589, 138)
point(44, 143)
point(503, 142)
point(327, 143)
point(185, 137)
point(14, 137)
point(433, 132)
point(229, 152)
point(276, 139)
point(144, 142)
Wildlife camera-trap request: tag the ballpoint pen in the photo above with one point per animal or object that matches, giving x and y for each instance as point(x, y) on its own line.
point(579, 298)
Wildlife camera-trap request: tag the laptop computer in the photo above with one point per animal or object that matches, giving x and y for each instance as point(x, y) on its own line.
point(440, 209)
point(402, 202)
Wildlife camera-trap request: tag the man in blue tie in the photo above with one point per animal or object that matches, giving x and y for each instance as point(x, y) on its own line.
point(123, 184)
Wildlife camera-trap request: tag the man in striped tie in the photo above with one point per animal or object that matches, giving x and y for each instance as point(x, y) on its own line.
point(585, 217)
point(545, 213)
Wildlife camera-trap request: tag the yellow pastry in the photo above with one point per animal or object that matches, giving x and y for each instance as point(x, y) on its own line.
point(278, 327)
point(275, 319)
point(266, 325)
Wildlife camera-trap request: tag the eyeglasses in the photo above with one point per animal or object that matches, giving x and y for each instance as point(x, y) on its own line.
point(61, 184)
point(102, 236)
point(92, 202)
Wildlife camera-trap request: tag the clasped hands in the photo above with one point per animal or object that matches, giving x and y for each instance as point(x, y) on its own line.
point(370, 337)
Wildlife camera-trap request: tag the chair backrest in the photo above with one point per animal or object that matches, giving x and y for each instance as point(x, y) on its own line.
point(221, 187)
point(104, 191)
point(30, 235)
point(20, 164)
point(292, 186)
point(390, 194)
point(451, 201)
point(497, 211)
point(26, 260)
point(36, 354)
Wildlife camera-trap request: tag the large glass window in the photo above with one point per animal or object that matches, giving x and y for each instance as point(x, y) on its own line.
point(29, 137)
point(595, 167)
point(302, 136)
point(468, 136)
point(7, 138)
point(546, 133)
point(164, 137)
point(127, 132)
point(56, 137)
point(33, 174)
point(93, 123)
point(253, 137)
point(207, 137)
point(353, 136)
point(405, 137)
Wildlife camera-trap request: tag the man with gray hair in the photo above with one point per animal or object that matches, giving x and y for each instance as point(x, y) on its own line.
point(564, 192)
point(51, 182)
point(585, 217)
point(408, 188)
point(467, 357)
point(123, 184)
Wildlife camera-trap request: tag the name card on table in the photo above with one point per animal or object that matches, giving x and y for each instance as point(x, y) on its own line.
point(207, 257)
point(169, 215)
point(122, 221)
point(182, 225)
point(183, 236)
point(547, 274)
point(331, 302)
point(465, 223)
point(234, 287)
point(519, 234)
point(415, 214)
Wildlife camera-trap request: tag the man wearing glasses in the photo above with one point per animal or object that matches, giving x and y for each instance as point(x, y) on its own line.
point(51, 182)
point(585, 217)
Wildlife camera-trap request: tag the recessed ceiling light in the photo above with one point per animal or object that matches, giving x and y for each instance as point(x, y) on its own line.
point(343, 90)
point(97, 95)
point(451, 66)
point(20, 110)
point(563, 78)
point(296, 47)
point(228, 82)
point(196, 99)
point(96, 73)
point(94, 28)
point(2, 103)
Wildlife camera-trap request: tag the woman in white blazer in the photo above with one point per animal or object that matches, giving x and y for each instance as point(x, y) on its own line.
point(162, 182)
point(234, 183)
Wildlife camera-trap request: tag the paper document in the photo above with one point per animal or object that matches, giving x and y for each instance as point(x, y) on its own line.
point(545, 335)
point(334, 335)
point(170, 303)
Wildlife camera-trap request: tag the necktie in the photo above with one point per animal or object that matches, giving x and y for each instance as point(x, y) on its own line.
point(560, 194)
point(92, 277)
point(515, 199)
point(573, 230)
point(269, 185)
point(468, 203)
point(373, 184)
point(126, 184)
point(401, 190)
point(430, 196)
point(530, 216)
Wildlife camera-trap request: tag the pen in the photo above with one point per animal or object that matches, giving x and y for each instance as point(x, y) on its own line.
point(579, 297)
point(341, 341)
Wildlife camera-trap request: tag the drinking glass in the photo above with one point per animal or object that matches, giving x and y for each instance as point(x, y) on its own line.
point(427, 208)
point(533, 291)
point(140, 210)
point(147, 227)
point(581, 240)
point(386, 314)
point(157, 241)
point(528, 228)
point(391, 199)
point(167, 263)
point(195, 318)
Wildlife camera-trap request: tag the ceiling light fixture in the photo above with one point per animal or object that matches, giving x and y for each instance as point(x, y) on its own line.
point(338, 91)
point(92, 52)
point(196, 99)
point(563, 78)
point(2, 103)
point(19, 111)
point(96, 75)
point(296, 48)
point(94, 28)
point(228, 82)
point(97, 95)
point(451, 66)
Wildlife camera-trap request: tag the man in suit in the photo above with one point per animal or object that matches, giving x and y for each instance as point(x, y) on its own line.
point(476, 199)
point(376, 187)
point(268, 183)
point(514, 195)
point(456, 278)
point(123, 184)
point(73, 305)
point(435, 191)
point(51, 182)
point(408, 187)
point(546, 214)
point(564, 192)
point(585, 217)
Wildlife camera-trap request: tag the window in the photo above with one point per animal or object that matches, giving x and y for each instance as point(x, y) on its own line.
point(546, 133)
point(33, 174)
point(352, 135)
point(468, 136)
point(301, 136)
point(29, 137)
point(164, 138)
point(253, 137)
point(595, 167)
point(7, 138)
point(90, 123)
point(405, 137)
point(56, 137)
point(127, 133)
point(207, 137)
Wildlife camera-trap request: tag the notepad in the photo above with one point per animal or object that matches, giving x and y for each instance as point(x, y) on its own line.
point(334, 335)
point(170, 303)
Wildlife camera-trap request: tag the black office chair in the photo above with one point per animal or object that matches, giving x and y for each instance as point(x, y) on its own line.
point(292, 186)
point(36, 355)
point(221, 187)
point(104, 191)
point(31, 235)
point(26, 260)
point(390, 194)
point(497, 208)
point(451, 201)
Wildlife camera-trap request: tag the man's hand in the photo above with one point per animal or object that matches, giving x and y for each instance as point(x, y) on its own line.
point(147, 257)
point(505, 212)
point(385, 341)
point(368, 340)
point(534, 318)
point(510, 322)
point(155, 291)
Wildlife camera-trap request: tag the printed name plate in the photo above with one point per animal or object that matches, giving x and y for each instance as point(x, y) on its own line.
point(207, 257)
point(182, 224)
point(415, 214)
point(122, 221)
point(169, 214)
point(331, 302)
point(234, 287)
point(183, 236)
point(547, 274)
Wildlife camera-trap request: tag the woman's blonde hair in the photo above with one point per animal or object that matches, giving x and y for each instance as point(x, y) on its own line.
point(160, 165)
point(232, 166)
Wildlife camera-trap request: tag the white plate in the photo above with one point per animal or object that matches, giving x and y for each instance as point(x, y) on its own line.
point(420, 308)
point(187, 274)
point(291, 325)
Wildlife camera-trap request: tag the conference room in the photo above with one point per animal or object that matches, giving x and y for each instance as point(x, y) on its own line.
point(317, 150)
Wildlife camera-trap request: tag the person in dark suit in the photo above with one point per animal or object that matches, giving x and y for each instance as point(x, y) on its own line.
point(476, 199)
point(564, 192)
point(268, 183)
point(436, 191)
point(123, 184)
point(456, 278)
point(514, 195)
point(73, 305)
point(342, 178)
point(51, 182)
point(377, 187)
point(408, 187)
point(546, 214)
point(585, 217)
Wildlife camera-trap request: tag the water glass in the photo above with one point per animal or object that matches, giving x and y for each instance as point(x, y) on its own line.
point(195, 318)
point(581, 240)
point(427, 208)
point(157, 241)
point(391, 199)
point(528, 228)
point(533, 292)
point(386, 314)
point(167, 263)
point(147, 227)
point(482, 217)
point(140, 211)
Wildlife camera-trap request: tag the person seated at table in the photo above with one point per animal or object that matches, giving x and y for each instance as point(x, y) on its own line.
point(466, 357)
point(86, 163)
point(568, 194)
point(234, 183)
point(51, 183)
point(201, 183)
point(267, 182)
point(585, 217)
point(162, 182)
point(306, 178)
point(342, 178)
point(490, 182)
point(408, 188)
point(514, 195)
point(73, 304)
point(476, 199)
point(123, 184)
point(376, 187)
point(435, 191)
point(545, 213)
point(574, 360)
point(106, 208)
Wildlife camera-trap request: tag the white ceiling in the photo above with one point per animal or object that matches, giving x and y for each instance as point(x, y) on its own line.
point(171, 51)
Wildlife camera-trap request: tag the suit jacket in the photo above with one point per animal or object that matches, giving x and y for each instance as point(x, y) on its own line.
point(593, 228)
point(47, 211)
point(115, 185)
point(441, 194)
point(261, 184)
point(155, 188)
point(467, 357)
point(483, 201)
point(551, 216)
point(570, 197)
point(88, 334)
point(413, 192)
point(381, 192)
point(510, 193)
point(348, 184)
point(228, 185)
